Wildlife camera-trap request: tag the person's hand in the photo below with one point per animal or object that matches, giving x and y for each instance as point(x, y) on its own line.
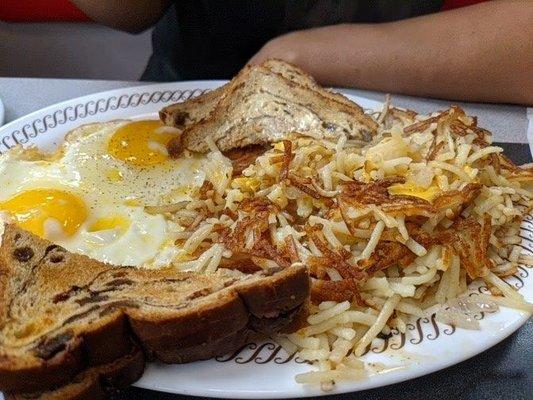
point(315, 50)
point(285, 47)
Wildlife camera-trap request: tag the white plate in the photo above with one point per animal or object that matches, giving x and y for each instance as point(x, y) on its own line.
point(263, 370)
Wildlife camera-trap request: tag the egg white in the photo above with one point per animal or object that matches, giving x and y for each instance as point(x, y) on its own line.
point(108, 187)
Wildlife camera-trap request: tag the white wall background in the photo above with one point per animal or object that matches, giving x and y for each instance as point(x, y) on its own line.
point(71, 50)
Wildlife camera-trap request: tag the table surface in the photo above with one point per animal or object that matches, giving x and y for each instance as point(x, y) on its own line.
point(504, 371)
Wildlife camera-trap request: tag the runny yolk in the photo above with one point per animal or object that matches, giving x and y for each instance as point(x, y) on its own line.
point(140, 143)
point(33, 208)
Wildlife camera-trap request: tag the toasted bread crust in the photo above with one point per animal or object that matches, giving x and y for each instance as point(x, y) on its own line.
point(285, 291)
point(52, 373)
point(212, 326)
point(203, 351)
point(227, 135)
point(104, 344)
point(193, 335)
point(204, 325)
point(193, 110)
point(279, 99)
point(95, 383)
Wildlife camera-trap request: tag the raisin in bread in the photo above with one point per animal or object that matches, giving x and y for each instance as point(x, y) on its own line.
point(263, 104)
point(63, 313)
point(96, 382)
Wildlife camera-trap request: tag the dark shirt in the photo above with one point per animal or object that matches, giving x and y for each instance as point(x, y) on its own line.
point(209, 39)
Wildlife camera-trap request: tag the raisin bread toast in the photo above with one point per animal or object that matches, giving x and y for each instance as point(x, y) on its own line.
point(183, 114)
point(62, 313)
point(262, 104)
point(96, 382)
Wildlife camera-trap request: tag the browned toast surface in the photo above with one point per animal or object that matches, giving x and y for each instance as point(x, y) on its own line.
point(264, 104)
point(63, 313)
point(96, 382)
point(183, 114)
point(193, 110)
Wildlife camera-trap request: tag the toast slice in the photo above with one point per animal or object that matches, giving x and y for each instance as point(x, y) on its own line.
point(296, 75)
point(96, 382)
point(62, 314)
point(181, 115)
point(263, 104)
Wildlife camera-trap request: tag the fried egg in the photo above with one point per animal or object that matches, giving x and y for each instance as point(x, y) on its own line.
point(90, 195)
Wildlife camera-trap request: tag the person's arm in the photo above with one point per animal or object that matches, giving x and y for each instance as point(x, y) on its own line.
point(132, 16)
point(478, 53)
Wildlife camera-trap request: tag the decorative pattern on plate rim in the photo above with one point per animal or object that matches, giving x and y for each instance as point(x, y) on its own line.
point(82, 110)
point(265, 352)
point(418, 330)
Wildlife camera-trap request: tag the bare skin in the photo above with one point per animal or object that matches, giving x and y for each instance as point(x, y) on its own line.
point(133, 16)
point(479, 53)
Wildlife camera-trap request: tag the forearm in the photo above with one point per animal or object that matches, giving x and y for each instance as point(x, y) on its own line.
point(479, 53)
point(127, 15)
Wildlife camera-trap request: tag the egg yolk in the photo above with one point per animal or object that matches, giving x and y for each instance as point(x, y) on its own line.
point(140, 143)
point(115, 222)
point(410, 189)
point(31, 209)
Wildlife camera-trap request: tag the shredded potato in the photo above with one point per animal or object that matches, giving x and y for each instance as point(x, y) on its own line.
point(381, 321)
point(390, 229)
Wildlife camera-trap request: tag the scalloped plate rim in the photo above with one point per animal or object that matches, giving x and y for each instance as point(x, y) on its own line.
point(295, 390)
